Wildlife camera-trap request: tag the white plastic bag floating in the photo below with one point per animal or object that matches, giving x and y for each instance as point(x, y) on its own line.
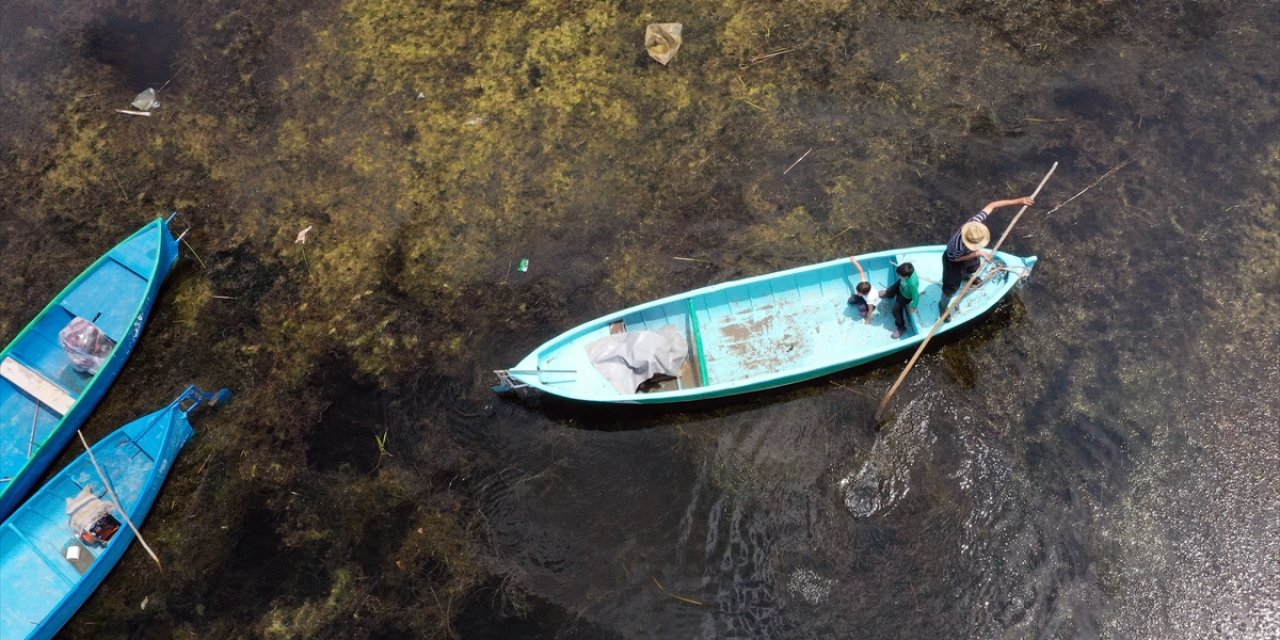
point(662, 40)
point(146, 101)
point(85, 345)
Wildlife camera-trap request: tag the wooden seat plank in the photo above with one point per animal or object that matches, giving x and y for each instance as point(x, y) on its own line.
point(695, 347)
point(37, 386)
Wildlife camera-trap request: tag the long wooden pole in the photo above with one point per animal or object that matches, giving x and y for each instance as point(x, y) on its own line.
point(884, 403)
point(35, 421)
point(116, 499)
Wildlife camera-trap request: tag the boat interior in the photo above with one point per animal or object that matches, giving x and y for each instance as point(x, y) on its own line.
point(38, 384)
point(767, 325)
point(767, 330)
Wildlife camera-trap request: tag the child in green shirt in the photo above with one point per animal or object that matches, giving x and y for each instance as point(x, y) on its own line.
point(906, 292)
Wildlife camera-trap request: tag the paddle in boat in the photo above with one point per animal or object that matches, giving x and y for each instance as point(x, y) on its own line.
point(58, 368)
point(751, 334)
point(60, 544)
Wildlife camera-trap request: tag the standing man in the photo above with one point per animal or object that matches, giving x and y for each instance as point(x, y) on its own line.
point(967, 247)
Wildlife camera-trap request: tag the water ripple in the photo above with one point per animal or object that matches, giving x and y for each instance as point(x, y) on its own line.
point(1198, 534)
point(882, 480)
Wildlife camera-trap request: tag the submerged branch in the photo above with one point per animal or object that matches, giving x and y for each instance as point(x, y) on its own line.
point(677, 597)
point(767, 56)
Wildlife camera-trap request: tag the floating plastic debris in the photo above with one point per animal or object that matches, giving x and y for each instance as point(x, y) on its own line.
point(146, 101)
point(524, 265)
point(662, 40)
point(302, 235)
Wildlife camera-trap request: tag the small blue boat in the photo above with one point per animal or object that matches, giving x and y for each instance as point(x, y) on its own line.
point(54, 373)
point(52, 549)
point(751, 334)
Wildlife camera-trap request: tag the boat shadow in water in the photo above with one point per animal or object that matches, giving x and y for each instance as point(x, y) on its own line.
point(868, 382)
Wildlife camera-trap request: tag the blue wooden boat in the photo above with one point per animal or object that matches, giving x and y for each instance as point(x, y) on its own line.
point(44, 396)
point(759, 333)
point(49, 562)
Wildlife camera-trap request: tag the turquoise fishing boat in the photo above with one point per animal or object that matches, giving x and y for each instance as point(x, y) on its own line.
point(59, 546)
point(57, 369)
point(751, 334)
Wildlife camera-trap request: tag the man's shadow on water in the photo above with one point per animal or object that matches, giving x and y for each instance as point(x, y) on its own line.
point(870, 377)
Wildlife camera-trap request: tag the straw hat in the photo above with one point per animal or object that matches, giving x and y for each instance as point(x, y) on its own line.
point(975, 235)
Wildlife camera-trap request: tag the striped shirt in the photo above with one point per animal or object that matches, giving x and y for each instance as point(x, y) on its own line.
point(956, 247)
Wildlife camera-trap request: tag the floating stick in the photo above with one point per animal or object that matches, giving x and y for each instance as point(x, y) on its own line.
point(676, 596)
point(793, 164)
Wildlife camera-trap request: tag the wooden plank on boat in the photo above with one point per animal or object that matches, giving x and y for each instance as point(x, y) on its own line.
point(687, 378)
point(689, 375)
point(37, 386)
point(695, 346)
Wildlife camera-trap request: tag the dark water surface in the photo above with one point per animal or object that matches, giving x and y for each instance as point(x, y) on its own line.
point(1102, 461)
point(1099, 458)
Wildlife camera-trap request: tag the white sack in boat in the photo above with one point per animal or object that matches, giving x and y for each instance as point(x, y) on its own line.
point(627, 359)
point(85, 509)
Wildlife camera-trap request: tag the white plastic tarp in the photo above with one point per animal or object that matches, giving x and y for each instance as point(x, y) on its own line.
point(629, 358)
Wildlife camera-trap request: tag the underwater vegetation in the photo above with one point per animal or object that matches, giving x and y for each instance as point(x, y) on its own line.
point(429, 147)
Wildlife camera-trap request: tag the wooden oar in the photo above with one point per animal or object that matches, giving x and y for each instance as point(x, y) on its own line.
point(884, 403)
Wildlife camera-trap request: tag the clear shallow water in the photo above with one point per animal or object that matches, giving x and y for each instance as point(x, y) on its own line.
point(1195, 532)
point(953, 523)
point(1101, 459)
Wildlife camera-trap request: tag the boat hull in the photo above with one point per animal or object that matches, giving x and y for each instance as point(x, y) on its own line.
point(43, 398)
point(34, 540)
point(767, 331)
